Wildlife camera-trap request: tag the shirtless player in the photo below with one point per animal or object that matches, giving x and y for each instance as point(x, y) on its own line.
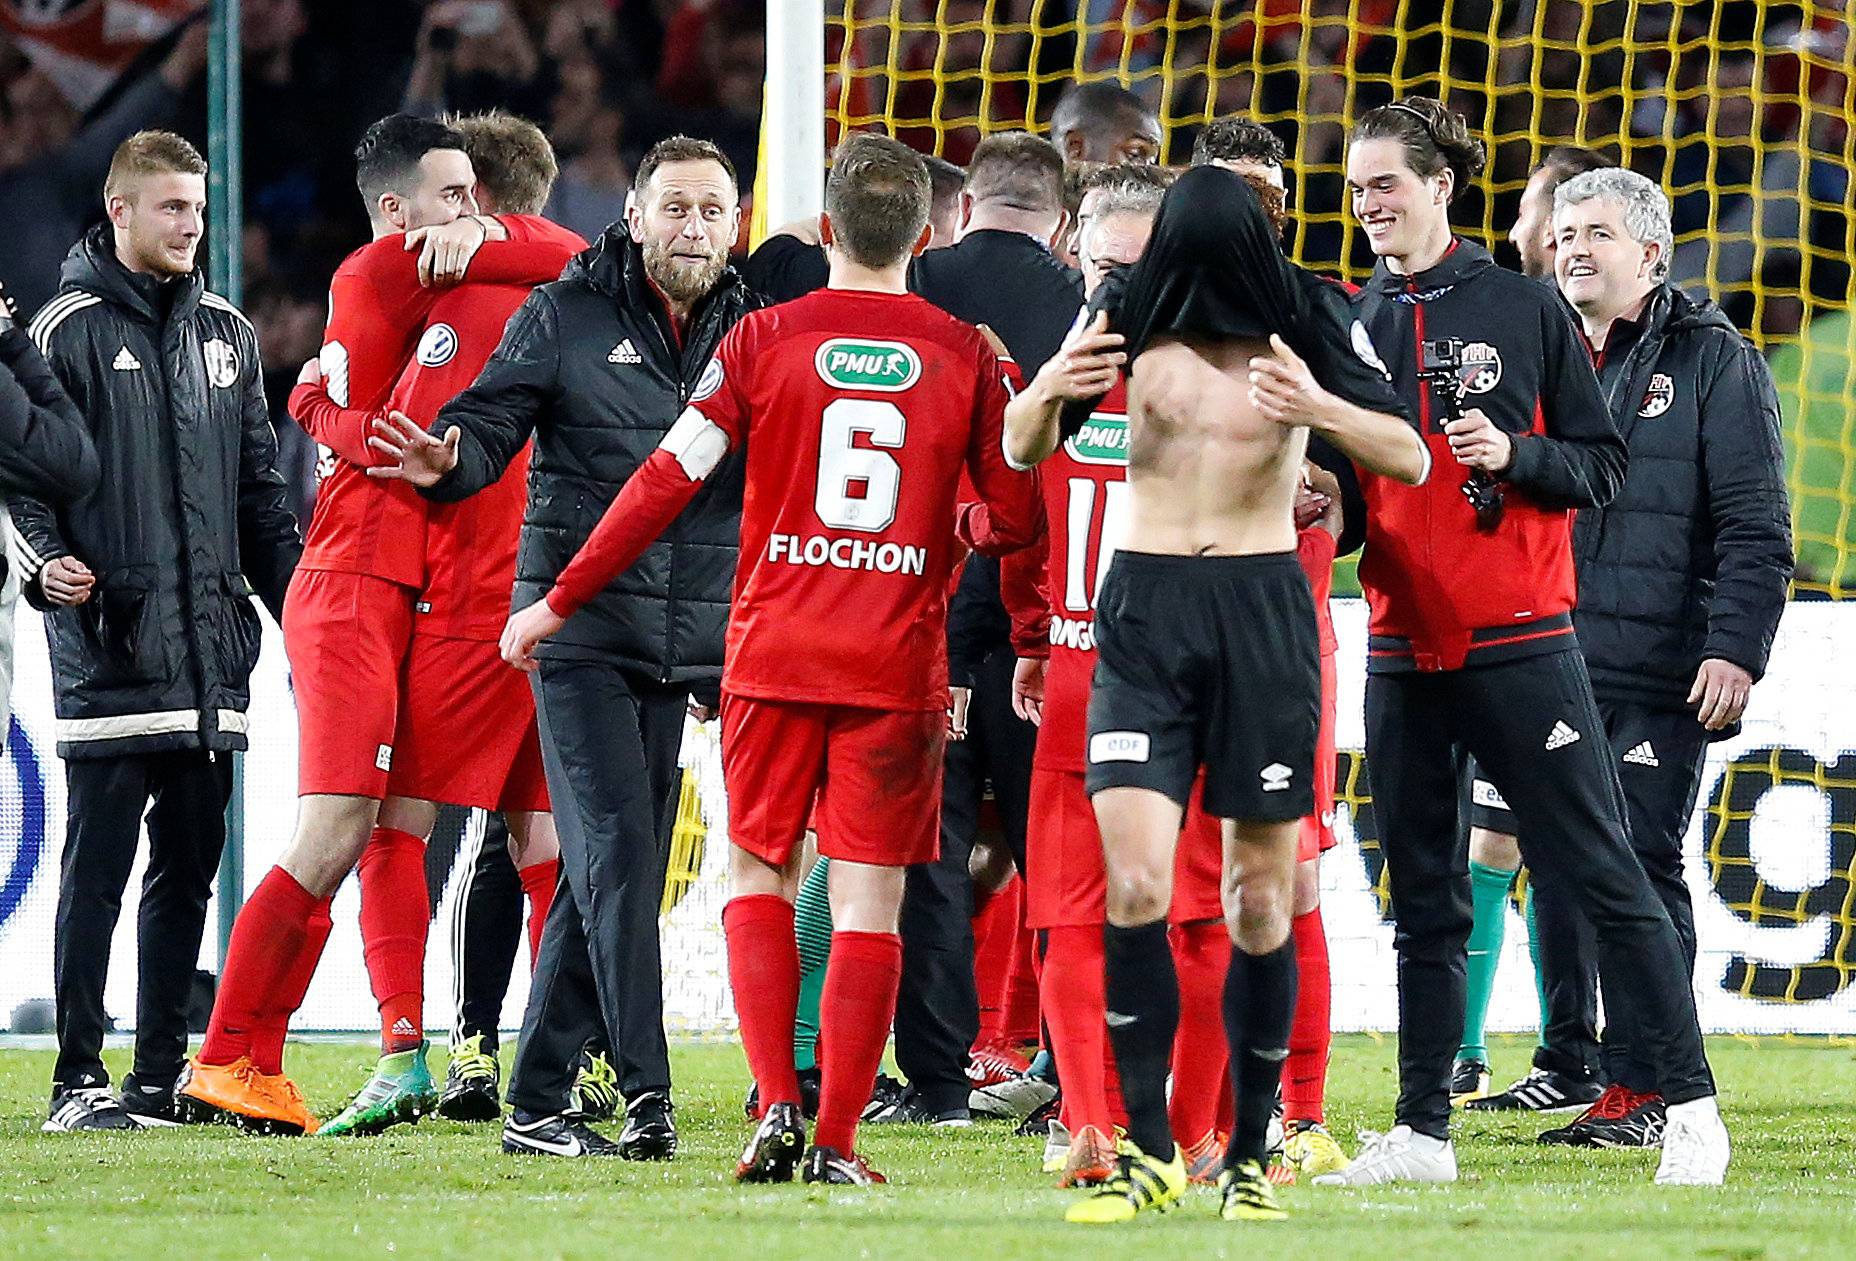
point(1207, 637)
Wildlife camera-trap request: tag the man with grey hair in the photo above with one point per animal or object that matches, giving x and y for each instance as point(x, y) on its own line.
point(1682, 577)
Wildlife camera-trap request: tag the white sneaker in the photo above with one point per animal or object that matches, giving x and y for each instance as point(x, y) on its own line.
point(1056, 1147)
point(1695, 1146)
point(1400, 1155)
point(1012, 1100)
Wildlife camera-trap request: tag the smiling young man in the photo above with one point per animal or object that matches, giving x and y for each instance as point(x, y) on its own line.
point(147, 586)
point(1470, 582)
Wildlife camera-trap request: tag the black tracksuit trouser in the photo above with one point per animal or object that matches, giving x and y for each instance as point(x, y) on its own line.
point(1533, 726)
point(105, 801)
point(609, 744)
point(486, 929)
point(1659, 753)
point(937, 1006)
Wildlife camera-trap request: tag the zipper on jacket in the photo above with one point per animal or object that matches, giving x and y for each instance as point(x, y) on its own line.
point(1424, 419)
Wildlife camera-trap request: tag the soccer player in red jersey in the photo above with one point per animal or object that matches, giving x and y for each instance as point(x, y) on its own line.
point(347, 628)
point(454, 682)
point(856, 406)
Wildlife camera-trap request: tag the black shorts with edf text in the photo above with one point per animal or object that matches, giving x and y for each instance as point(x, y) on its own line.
point(1209, 661)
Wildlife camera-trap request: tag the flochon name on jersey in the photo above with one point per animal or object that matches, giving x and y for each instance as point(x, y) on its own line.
point(817, 550)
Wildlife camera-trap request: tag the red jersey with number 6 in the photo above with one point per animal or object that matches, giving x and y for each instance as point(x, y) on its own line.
point(857, 411)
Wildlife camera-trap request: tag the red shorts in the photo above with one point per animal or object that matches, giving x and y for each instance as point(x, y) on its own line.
point(875, 773)
point(467, 729)
point(347, 637)
point(1198, 865)
point(1317, 835)
point(1063, 848)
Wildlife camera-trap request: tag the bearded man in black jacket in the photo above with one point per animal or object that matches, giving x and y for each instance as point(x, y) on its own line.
point(596, 366)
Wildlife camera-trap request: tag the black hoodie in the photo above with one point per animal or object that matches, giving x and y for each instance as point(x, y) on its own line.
point(1692, 558)
point(591, 366)
point(1444, 593)
point(188, 517)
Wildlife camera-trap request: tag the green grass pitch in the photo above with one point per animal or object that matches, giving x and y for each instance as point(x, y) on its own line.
point(444, 1191)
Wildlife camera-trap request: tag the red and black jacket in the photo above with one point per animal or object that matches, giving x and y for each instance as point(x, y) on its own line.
point(1445, 595)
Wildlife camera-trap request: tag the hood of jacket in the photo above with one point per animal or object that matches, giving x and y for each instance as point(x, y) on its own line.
point(1462, 261)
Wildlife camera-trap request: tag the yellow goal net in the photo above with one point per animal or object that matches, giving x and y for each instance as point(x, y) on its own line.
point(1740, 110)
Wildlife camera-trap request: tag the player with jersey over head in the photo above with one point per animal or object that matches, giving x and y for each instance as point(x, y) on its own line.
point(1207, 641)
point(1050, 590)
point(1051, 594)
point(857, 407)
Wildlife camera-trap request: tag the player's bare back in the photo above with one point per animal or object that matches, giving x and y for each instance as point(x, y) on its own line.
point(1208, 475)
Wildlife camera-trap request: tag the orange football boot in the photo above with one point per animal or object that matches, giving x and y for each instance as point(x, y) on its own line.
point(238, 1094)
point(1091, 1161)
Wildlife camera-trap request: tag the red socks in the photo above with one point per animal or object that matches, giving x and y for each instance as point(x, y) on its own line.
point(1305, 1072)
point(1018, 1003)
point(538, 882)
point(1075, 1008)
point(763, 972)
point(855, 1014)
point(266, 940)
point(267, 1040)
point(394, 915)
point(1201, 956)
point(994, 930)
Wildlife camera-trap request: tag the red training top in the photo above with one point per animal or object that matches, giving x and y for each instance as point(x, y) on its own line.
point(377, 309)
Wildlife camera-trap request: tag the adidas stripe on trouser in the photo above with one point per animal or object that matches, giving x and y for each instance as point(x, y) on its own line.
point(486, 930)
point(1569, 808)
point(1660, 754)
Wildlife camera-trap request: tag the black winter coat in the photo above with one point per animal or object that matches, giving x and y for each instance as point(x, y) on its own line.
point(45, 450)
point(591, 366)
point(189, 516)
point(1692, 558)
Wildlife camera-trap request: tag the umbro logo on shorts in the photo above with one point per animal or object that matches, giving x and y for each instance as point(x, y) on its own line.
point(1275, 777)
point(624, 352)
point(1561, 736)
point(383, 757)
point(1119, 746)
point(1642, 755)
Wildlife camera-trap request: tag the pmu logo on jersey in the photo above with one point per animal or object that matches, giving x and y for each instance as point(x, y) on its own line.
point(1102, 439)
point(1482, 368)
point(1657, 399)
point(854, 364)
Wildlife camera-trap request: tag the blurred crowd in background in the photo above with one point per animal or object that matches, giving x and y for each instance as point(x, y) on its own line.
point(1740, 108)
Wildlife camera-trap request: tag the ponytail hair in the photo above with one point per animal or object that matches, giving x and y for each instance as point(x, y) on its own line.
point(1434, 138)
